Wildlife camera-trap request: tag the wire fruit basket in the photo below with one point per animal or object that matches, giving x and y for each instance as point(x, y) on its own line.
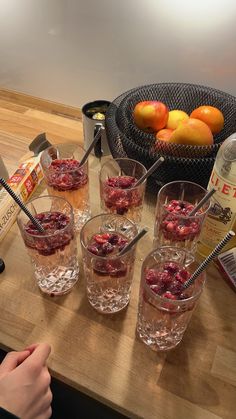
point(185, 162)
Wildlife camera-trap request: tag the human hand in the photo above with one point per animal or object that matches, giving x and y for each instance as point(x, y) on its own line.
point(25, 383)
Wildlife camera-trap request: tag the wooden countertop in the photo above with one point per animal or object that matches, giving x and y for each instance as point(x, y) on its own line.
point(100, 355)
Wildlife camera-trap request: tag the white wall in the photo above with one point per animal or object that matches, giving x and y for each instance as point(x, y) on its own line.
point(74, 51)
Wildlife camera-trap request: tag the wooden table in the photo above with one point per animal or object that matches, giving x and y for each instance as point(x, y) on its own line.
point(100, 355)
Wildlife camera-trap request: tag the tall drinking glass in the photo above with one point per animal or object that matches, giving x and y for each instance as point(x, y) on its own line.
point(53, 253)
point(173, 224)
point(118, 192)
point(165, 309)
point(108, 275)
point(67, 179)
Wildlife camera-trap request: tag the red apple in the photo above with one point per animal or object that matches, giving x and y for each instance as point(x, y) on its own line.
point(164, 134)
point(150, 115)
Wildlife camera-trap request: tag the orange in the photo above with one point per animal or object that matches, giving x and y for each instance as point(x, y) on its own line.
point(212, 116)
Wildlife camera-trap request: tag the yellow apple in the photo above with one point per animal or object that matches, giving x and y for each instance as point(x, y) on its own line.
point(175, 117)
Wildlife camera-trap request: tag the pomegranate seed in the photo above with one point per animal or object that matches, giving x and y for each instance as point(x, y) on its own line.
point(121, 210)
point(114, 238)
point(183, 230)
point(156, 288)
point(123, 182)
point(106, 248)
point(101, 238)
point(170, 296)
point(163, 283)
point(51, 222)
point(151, 277)
point(66, 174)
point(93, 249)
point(175, 287)
point(170, 227)
point(179, 278)
point(171, 267)
point(164, 277)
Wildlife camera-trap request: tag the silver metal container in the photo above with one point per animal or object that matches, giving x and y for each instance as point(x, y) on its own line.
point(91, 114)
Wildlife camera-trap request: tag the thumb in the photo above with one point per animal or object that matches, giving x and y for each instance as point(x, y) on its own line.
point(31, 348)
point(40, 354)
point(12, 360)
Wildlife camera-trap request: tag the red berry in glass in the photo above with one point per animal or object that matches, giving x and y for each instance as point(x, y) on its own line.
point(174, 225)
point(118, 191)
point(53, 252)
point(165, 307)
point(66, 179)
point(108, 275)
point(119, 196)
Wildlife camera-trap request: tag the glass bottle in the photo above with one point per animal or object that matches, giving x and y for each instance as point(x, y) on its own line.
point(222, 215)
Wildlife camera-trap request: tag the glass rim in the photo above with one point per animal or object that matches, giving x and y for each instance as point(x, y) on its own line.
point(164, 299)
point(123, 159)
point(199, 215)
point(63, 145)
point(107, 257)
point(42, 236)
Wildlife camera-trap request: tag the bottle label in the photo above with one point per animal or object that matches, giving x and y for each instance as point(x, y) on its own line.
point(222, 214)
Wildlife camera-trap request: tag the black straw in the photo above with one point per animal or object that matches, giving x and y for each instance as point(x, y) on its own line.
point(133, 241)
point(202, 202)
point(209, 258)
point(21, 205)
point(149, 172)
point(93, 143)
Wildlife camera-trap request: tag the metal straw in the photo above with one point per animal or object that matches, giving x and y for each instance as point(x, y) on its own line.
point(133, 241)
point(202, 202)
point(209, 258)
point(149, 172)
point(21, 205)
point(93, 143)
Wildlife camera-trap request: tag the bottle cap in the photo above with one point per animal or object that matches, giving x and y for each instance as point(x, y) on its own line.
point(229, 151)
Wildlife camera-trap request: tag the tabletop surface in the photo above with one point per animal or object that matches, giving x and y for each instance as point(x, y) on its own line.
point(100, 354)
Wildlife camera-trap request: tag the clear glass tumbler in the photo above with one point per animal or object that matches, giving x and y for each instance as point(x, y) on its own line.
point(165, 309)
point(108, 275)
point(117, 191)
point(173, 224)
point(67, 179)
point(54, 252)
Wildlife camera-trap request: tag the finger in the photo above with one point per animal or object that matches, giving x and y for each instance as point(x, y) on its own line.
point(47, 399)
point(12, 360)
point(46, 414)
point(46, 378)
point(40, 354)
point(44, 404)
point(32, 347)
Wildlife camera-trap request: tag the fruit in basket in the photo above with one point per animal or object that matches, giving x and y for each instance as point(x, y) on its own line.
point(192, 132)
point(150, 115)
point(212, 116)
point(175, 117)
point(164, 134)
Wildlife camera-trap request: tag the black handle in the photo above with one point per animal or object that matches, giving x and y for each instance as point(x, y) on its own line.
point(98, 146)
point(2, 266)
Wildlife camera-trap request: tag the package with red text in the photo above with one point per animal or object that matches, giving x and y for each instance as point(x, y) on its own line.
point(23, 182)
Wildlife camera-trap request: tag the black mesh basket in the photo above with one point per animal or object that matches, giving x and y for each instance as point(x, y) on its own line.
point(126, 140)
